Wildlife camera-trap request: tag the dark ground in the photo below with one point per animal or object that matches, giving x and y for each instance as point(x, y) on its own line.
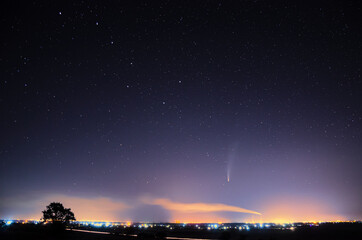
point(328, 231)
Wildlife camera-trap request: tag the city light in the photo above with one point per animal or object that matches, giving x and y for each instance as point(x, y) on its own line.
point(8, 222)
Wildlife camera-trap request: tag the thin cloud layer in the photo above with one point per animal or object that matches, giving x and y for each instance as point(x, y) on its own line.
point(92, 208)
point(108, 209)
point(84, 208)
point(196, 207)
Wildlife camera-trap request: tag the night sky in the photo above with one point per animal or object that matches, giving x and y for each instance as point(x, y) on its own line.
point(141, 111)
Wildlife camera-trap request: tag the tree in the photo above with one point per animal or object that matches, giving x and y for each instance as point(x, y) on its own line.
point(56, 213)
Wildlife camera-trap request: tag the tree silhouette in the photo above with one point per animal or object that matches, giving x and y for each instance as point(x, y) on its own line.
point(56, 212)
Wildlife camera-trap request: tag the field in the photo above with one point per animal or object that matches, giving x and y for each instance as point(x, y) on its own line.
point(328, 231)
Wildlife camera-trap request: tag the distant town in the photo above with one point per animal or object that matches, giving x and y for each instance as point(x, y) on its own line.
point(195, 226)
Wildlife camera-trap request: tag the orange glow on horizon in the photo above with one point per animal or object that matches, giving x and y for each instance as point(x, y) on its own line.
point(289, 210)
point(196, 207)
point(284, 209)
point(197, 219)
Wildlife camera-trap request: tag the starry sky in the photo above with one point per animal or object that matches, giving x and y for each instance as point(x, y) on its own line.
point(142, 110)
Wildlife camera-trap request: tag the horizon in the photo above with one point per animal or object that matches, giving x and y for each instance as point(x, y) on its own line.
point(132, 224)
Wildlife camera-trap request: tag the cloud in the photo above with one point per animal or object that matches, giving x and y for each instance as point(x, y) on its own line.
point(109, 209)
point(100, 208)
point(84, 208)
point(196, 207)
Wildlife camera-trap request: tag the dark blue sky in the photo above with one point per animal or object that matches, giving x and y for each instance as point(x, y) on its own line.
point(129, 104)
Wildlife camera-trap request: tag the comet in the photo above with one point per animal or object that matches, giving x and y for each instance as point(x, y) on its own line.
point(228, 173)
point(231, 157)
